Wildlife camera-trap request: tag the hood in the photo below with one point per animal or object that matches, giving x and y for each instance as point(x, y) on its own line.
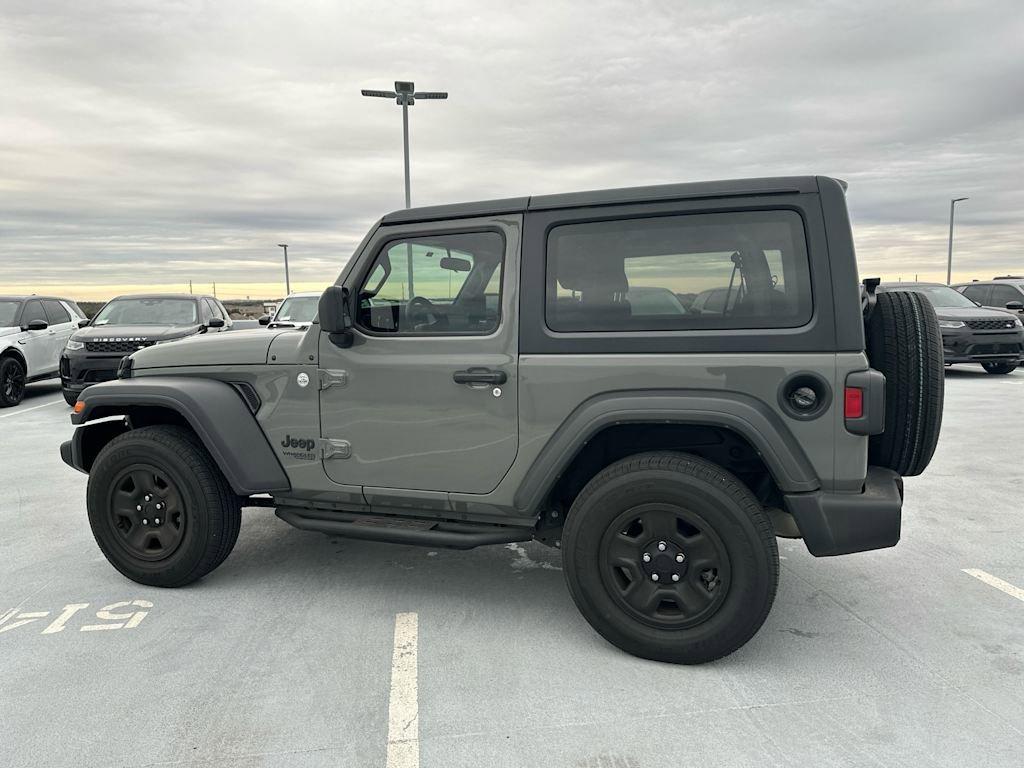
point(9, 330)
point(248, 347)
point(135, 332)
point(970, 313)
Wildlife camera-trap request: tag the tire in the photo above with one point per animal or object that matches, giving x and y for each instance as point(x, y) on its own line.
point(999, 368)
point(12, 382)
point(201, 514)
point(904, 343)
point(727, 580)
point(70, 397)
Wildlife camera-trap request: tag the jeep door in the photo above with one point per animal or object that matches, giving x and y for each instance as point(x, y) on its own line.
point(425, 398)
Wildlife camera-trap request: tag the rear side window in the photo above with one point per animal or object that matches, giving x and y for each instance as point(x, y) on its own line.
point(1002, 294)
point(55, 313)
point(744, 269)
point(978, 293)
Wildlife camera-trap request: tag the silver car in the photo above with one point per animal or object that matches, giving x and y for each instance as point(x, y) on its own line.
point(33, 332)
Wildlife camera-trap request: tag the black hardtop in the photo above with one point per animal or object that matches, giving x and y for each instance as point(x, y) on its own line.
point(777, 185)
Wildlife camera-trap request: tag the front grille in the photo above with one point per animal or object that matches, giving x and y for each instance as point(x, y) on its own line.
point(116, 347)
point(991, 325)
point(97, 375)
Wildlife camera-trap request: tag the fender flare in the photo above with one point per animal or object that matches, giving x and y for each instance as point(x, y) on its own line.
point(744, 415)
point(213, 409)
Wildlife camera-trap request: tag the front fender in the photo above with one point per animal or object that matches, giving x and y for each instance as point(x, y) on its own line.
point(213, 409)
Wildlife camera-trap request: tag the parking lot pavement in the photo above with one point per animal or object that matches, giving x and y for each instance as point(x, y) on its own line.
point(286, 655)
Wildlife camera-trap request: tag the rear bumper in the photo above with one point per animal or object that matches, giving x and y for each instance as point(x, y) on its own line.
point(841, 523)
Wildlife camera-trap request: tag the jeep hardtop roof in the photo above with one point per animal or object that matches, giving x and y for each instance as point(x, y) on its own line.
point(777, 185)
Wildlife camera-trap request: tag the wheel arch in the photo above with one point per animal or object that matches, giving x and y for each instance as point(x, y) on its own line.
point(212, 409)
point(16, 354)
point(665, 420)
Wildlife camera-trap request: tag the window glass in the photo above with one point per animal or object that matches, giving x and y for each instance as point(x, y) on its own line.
point(719, 270)
point(208, 310)
point(148, 312)
point(444, 284)
point(33, 311)
point(55, 312)
point(298, 309)
point(8, 312)
point(978, 293)
point(1001, 294)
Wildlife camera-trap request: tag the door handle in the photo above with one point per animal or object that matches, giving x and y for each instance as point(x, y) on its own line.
point(480, 376)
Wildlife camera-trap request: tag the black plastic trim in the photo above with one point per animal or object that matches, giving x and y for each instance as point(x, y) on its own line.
point(842, 523)
point(215, 412)
point(743, 414)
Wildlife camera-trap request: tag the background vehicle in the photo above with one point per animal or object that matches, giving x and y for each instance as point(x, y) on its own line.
point(129, 323)
point(971, 334)
point(33, 331)
point(1004, 293)
point(296, 311)
point(479, 375)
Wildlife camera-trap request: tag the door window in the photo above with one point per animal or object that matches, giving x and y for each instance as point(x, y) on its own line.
point(978, 293)
point(1002, 294)
point(446, 284)
point(33, 311)
point(55, 312)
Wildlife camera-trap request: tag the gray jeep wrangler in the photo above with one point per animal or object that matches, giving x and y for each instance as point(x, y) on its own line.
point(659, 381)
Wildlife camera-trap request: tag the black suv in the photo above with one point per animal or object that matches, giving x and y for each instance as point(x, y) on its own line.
point(970, 333)
point(127, 324)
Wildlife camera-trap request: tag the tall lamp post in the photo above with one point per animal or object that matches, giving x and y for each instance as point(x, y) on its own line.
point(287, 282)
point(949, 261)
point(404, 94)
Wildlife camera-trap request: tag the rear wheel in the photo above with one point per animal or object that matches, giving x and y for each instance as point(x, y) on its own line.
point(12, 382)
point(159, 508)
point(999, 368)
point(904, 343)
point(670, 557)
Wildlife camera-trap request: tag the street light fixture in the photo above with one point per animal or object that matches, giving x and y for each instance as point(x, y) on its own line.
point(405, 95)
point(949, 262)
point(287, 282)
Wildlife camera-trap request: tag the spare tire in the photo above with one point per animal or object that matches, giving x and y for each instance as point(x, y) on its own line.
point(904, 343)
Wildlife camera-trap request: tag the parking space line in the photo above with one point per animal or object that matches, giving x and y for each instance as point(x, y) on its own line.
point(26, 410)
point(998, 583)
point(403, 704)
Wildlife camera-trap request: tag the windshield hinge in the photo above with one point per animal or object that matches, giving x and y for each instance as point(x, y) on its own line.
point(333, 378)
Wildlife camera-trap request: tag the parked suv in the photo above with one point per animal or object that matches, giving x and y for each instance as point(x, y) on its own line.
point(971, 334)
point(1004, 293)
point(296, 311)
point(480, 375)
point(130, 323)
point(33, 330)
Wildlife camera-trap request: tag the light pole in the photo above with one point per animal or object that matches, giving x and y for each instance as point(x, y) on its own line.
point(404, 94)
point(287, 282)
point(949, 261)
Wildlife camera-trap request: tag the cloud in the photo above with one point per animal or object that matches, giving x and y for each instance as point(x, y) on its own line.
point(158, 142)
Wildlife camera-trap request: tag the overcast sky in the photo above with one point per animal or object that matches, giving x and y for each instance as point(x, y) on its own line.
point(143, 144)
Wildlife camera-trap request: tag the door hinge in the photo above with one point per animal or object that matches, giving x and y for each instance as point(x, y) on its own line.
point(336, 449)
point(332, 378)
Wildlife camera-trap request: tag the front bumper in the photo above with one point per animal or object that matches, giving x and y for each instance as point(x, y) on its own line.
point(964, 345)
point(841, 523)
point(80, 369)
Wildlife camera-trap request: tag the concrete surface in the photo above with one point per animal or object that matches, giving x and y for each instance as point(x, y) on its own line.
point(283, 656)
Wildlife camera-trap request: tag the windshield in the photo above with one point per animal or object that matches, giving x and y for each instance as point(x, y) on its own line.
point(8, 311)
point(147, 312)
point(941, 296)
point(297, 309)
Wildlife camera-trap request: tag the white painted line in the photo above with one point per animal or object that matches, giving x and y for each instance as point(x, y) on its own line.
point(992, 581)
point(33, 408)
point(403, 705)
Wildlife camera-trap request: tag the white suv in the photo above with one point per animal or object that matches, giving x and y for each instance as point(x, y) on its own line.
point(33, 332)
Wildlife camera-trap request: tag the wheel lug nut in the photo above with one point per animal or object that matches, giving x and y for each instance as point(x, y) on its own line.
point(654, 577)
point(661, 546)
point(138, 507)
point(145, 521)
point(148, 497)
point(675, 576)
point(647, 557)
point(157, 521)
point(159, 506)
point(679, 558)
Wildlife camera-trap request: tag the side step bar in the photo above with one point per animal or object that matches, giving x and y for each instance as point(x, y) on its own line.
point(402, 530)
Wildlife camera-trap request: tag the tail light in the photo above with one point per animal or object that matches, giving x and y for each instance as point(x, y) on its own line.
point(864, 402)
point(853, 403)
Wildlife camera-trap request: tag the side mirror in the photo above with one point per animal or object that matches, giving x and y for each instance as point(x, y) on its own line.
point(215, 322)
point(35, 325)
point(334, 316)
point(265, 320)
point(84, 322)
point(1015, 306)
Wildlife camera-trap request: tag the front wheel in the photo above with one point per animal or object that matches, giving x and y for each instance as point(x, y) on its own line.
point(12, 382)
point(159, 507)
point(999, 368)
point(671, 558)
